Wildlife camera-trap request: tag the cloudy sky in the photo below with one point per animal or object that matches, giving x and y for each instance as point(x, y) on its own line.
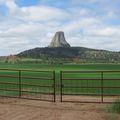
point(26, 24)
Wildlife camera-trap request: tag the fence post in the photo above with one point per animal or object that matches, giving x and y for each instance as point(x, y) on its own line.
point(61, 86)
point(54, 86)
point(102, 86)
point(19, 83)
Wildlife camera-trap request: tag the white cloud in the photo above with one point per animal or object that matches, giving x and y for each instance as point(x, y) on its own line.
point(43, 13)
point(10, 4)
point(109, 32)
point(34, 26)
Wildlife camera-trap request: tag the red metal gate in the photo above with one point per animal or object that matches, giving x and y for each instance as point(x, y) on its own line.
point(90, 86)
point(27, 84)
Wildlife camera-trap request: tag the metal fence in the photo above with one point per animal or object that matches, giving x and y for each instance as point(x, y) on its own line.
point(75, 86)
point(27, 84)
point(90, 86)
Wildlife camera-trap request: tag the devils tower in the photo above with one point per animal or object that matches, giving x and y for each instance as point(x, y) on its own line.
point(59, 40)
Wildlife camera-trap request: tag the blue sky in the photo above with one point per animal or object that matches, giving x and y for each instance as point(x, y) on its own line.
point(26, 24)
point(22, 3)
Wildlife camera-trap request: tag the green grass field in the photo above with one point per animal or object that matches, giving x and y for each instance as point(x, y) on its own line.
point(89, 83)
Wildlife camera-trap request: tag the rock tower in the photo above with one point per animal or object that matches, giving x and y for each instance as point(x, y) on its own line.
point(59, 40)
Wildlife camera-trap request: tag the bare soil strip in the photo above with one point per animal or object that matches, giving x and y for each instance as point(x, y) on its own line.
point(19, 109)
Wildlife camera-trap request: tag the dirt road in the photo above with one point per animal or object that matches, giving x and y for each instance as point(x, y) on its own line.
point(18, 109)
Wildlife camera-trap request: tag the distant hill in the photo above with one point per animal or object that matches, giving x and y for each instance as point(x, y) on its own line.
point(72, 54)
point(60, 51)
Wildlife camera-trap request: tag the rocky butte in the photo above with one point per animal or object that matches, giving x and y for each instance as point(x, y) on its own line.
point(59, 40)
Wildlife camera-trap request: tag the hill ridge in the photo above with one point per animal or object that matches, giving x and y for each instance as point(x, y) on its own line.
point(78, 54)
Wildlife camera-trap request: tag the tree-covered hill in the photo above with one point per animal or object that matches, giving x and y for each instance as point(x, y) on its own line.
point(76, 54)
